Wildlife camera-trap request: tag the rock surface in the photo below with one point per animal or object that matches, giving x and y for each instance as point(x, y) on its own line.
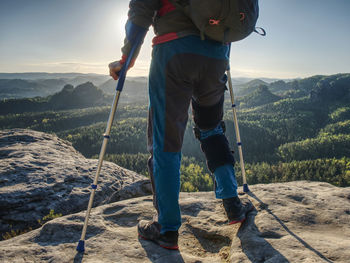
point(293, 222)
point(39, 172)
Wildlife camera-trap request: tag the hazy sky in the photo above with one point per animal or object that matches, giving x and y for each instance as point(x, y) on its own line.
point(305, 37)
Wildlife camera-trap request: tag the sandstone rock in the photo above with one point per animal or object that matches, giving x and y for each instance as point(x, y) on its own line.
point(39, 172)
point(293, 222)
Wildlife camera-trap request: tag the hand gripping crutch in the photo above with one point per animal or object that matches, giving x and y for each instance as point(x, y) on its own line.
point(122, 74)
point(238, 137)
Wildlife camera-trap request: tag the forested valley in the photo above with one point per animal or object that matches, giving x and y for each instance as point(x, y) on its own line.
point(290, 130)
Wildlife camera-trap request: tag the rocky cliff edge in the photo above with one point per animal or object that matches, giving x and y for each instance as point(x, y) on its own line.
point(292, 222)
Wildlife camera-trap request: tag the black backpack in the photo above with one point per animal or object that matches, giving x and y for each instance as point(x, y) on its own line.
point(223, 20)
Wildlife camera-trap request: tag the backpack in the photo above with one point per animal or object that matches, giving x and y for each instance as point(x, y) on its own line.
point(223, 20)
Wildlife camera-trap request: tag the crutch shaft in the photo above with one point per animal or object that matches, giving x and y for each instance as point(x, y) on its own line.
point(91, 200)
point(238, 136)
point(239, 144)
point(137, 34)
point(100, 161)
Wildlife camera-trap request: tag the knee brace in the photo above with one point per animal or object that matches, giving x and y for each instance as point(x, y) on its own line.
point(207, 117)
point(217, 151)
point(201, 135)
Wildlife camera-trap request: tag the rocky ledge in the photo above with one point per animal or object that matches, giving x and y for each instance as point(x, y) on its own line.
point(292, 222)
point(40, 172)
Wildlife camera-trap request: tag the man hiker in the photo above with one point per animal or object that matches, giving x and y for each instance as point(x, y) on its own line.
point(185, 69)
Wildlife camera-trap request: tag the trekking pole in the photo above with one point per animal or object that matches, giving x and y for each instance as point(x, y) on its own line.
point(122, 74)
point(238, 137)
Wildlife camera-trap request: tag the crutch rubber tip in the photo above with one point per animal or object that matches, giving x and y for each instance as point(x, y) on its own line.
point(81, 246)
point(245, 188)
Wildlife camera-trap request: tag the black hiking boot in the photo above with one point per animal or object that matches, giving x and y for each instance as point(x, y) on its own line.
point(150, 230)
point(236, 209)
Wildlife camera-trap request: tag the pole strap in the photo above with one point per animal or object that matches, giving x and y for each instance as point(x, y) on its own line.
point(94, 186)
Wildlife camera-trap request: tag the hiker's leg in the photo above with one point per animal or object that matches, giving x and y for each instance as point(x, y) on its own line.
point(217, 151)
point(170, 98)
point(177, 67)
point(207, 108)
point(220, 161)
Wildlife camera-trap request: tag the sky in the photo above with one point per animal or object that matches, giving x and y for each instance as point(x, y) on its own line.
point(304, 38)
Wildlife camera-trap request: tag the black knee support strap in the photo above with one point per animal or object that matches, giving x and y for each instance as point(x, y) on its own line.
point(197, 131)
point(217, 151)
point(207, 117)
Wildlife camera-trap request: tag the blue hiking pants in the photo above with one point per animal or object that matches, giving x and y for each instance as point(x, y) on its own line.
point(182, 71)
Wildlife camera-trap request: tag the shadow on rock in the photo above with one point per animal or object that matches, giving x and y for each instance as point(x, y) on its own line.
point(158, 254)
point(210, 241)
point(15, 139)
point(56, 233)
point(78, 257)
point(124, 218)
point(191, 208)
point(266, 251)
point(254, 245)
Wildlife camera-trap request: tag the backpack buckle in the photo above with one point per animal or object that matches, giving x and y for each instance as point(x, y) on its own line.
point(214, 22)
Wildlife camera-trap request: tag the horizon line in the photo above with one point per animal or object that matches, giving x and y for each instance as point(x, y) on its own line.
point(146, 76)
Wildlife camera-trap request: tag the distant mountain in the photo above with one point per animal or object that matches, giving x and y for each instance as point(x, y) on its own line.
point(19, 88)
point(243, 80)
point(261, 96)
point(135, 89)
point(82, 96)
point(29, 85)
point(44, 75)
point(278, 87)
point(309, 86)
point(80, 79)
point(43, 84)
point(248, 87)
point(332, 89)
point(297, 88)
point(276, 128)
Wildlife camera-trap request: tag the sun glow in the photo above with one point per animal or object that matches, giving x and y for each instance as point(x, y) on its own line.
point(120, 21)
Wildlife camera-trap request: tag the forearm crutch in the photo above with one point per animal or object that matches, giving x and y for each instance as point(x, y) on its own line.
point(122, 74)
point(238, 137)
